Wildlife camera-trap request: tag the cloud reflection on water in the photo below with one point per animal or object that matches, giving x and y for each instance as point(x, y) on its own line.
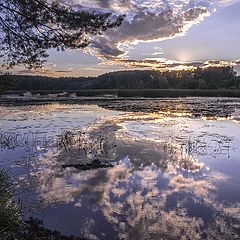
point(166, 180)
point(149, 193)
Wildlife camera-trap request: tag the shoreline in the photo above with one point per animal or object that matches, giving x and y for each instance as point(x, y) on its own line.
point(84, 96)
point(124, 93)
point(18, 100)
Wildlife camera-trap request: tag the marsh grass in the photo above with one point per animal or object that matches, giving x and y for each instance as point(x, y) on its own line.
point(188, 151)
point(9, 210)
point(89, 146)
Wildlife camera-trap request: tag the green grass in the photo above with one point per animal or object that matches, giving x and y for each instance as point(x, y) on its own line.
point(9, 211)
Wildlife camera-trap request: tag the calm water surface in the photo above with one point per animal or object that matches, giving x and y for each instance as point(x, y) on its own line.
point(174, 170)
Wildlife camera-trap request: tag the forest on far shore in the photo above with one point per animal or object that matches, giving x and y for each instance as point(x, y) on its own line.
point(200, 78)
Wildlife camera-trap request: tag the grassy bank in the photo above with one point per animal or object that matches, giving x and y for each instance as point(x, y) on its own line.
point(9, 211)
point(12, 227)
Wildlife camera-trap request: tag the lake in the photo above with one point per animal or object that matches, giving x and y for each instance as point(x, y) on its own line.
point(127, 169)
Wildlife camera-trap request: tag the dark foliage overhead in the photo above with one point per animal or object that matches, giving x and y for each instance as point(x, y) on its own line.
point(28, 28)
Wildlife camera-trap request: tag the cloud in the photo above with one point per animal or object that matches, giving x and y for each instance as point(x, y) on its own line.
point(145, 26)
point(113, 4)
point(146, 21)
point(166, 64)
point(104, 3)
point(157, 53)
point(224, 3)
point(46, 71)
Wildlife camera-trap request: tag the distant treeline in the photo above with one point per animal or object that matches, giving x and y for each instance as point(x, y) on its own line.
point(201, 78)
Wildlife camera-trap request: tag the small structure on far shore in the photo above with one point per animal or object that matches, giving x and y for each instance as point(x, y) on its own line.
point(63, 94)
point(73, 95)
point(27, 94)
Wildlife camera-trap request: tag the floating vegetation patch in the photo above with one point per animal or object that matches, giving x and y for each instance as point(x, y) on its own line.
point(196, 107)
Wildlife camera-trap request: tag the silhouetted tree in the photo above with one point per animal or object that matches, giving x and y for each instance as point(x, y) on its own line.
point(28, 28)
point(7, 81)
point(212, 78)
point(202, 84)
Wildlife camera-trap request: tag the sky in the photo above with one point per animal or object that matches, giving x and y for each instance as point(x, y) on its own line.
point(156, 34)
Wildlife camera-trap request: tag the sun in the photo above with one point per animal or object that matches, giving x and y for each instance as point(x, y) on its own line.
point(184, 56)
